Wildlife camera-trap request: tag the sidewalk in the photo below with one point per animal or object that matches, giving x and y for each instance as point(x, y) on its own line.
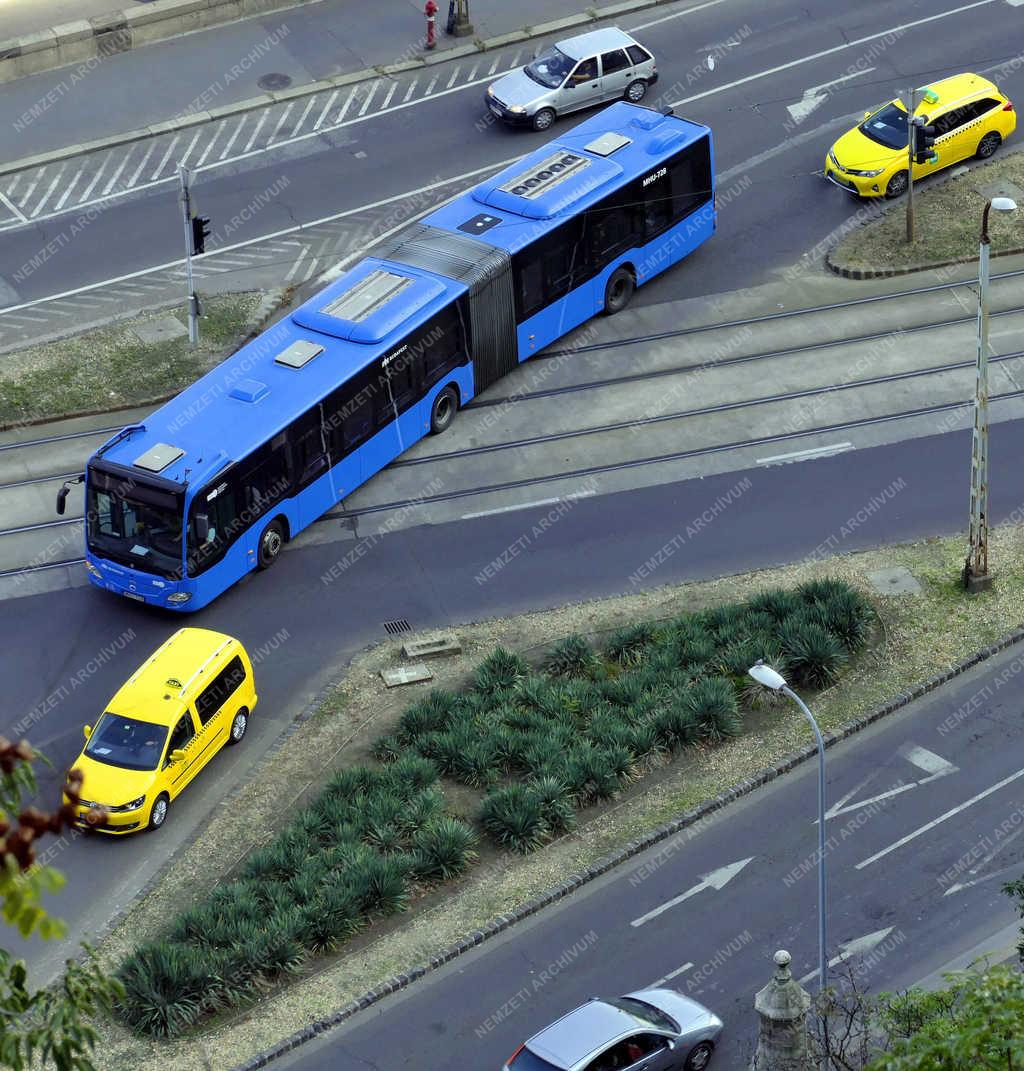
point(219, 67)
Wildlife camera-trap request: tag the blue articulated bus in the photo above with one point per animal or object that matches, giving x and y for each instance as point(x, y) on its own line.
point(217, 480)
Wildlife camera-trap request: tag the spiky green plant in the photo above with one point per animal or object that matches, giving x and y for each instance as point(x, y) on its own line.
point(499, 671)
point(423, 808)
point(378, 883)
point(444, 849)
point(847, 616)
point(715, 708)
point(387, 748)
point(281, 858)
point(430, 714)
point(814, 656)
point(676, 725)
point(572, 657)
point(778, 602)
point(591, 774)
point(168, 987)
point(644, 742)
point(447, 748)
point(629, 646)
point(409, 775)
point(823, 590)
point(557, 805)
point(478, 765)
point(513, 817)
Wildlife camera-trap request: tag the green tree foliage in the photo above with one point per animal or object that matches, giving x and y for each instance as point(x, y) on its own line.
point(54, 1024)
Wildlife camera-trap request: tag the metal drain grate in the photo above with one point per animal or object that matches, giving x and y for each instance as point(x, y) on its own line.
point(393, 628)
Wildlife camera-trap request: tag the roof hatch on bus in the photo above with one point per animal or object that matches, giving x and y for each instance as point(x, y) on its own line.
point(158, 457)
point(298, 354)
point(542, 186)
point(368, 303)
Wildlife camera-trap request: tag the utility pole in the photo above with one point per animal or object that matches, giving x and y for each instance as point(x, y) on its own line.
point(186, 207)
point(910, 166)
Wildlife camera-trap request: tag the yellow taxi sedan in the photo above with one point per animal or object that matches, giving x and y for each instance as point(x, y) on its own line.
point(970, 116)
point(164, 725)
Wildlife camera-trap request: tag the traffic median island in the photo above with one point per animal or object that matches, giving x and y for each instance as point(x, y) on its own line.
point(918, 637)
point(947, 211)
point(133, 362)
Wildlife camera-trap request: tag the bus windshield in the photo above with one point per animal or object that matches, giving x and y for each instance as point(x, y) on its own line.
point(550, 68)
point(136, 526)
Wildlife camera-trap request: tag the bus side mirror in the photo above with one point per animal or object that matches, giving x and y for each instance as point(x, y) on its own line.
point(62, 494)
point(202, 527)
point(87, 731)
point(177, 755)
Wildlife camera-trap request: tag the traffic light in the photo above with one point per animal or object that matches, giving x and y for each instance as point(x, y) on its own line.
point(200, 232)
point(924, 139)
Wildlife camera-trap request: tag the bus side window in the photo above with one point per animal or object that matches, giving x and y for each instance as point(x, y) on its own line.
point(690, 172)
point(265, 481)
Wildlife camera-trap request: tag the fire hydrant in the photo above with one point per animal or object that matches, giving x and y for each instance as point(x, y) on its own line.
point(430, 10)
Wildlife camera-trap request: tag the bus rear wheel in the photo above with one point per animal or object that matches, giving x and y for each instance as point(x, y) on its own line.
point(271, 544)
point(446, 405)
point(619, 291)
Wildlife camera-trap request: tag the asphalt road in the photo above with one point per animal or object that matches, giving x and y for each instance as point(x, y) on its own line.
point(945, 763)
point(72, 649)
point(829, 61)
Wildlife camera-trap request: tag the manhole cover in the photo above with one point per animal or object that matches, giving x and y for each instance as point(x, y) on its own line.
point(274, 81)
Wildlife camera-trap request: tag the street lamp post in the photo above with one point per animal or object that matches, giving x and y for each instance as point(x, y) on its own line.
point(768, 677)
point(975, 574)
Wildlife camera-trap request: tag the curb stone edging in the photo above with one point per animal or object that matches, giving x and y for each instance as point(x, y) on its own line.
point(908, 269)
point(621, 855)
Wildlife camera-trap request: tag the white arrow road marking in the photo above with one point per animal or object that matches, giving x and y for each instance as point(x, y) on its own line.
point(671, 974)
point(857, 947)
point(717, 879)
point(814, 97)
point(933, 765)
point(936, 821)
point(988, 877)
point(986, 860)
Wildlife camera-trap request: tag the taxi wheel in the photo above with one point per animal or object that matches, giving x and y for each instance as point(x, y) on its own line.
point(239, 723)
point(158, 815)
point(271, 543)
point(543, 119)
point(897, 185)
point(636, 91)
point(988, 145)
point(700, 1056)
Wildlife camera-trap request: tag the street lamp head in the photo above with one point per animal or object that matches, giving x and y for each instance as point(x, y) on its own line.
point(1004, 204)
point(767, 676)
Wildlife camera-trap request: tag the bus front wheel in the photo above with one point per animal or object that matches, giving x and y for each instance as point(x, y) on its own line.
point(271, 544)
point(619, 290)
point(446, 405)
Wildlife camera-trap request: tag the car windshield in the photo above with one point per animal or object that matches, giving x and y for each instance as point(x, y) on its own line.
point(550, 68)
point(647, 1012)
point(125, 742)
point(138, 527)
point(888, 127)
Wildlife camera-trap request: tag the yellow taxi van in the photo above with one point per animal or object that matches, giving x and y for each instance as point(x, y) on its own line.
point(181, 706)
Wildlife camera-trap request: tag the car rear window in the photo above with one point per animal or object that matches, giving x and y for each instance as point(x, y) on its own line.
point(638, 54)
point(524, 1060)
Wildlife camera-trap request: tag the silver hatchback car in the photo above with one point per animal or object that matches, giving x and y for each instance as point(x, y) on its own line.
point(650, 1030)
point(580, 72)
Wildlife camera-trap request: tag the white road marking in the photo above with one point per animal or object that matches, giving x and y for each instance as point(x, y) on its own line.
point(856, 947)
point(933, 765)
point(68, 188)
point(897, 30)
point(282, 120)
point(936, 821)
point(515, 62)
point(430, 88)
point(1014, 867)
point(210, 144)
point(451, 81)
point(28, 193)
point(192, 144)
point(717, 879)
point(412, 85)
point(806, 455)
point(11, 207)
point(391, 93)
point(235, 133)
point(345, 107)
point(117, 174)
point(167, 156)
point(302, 118)
point(327, 107)
point(255, 133)
point(837, 809)
point(813, 98)
point(138, 170)
point(369, 97)
point(494, 66)
point(668, 977)
point(292, 271)
point(510, 509)
point(984, 861)
point(675, 15)
point(472, 73)
point(53, 185)
point(95, 179)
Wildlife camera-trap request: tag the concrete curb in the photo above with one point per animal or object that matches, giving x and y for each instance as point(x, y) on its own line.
point(90, 41)
point(183, 122)
point(575, 881)
point(909, 269)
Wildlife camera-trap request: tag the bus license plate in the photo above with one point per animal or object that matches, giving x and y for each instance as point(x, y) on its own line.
point(132, 595)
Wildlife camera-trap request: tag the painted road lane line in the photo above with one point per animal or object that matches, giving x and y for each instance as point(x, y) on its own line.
point(675, 15)
point(327, 107)
point(234, 135)
point(117, 174)
point(12, 208)
point(138, 170)
point(936, 821)
point(717, 879)
point(255, 133)
point(369, 97)
point(933, 765)
point(280, 122)
point(671, 974)
point(183, 159)
point(813, 98)
point(409, 92)
point(302, 118)
point(857, 947)
point(163, 162)
point(806, 455)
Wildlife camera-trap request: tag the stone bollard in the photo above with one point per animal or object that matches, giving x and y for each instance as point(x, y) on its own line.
point(782, 1043)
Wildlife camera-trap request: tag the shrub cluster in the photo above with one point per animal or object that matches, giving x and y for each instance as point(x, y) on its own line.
point(353, 854)
point(543, 744)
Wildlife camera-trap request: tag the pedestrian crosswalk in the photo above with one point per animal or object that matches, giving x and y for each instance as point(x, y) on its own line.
point(99, 177)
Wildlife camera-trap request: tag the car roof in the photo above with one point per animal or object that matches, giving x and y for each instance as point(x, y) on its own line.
point(589, 44)
point(581, 1033)
point(959, 87)
point(156, 691)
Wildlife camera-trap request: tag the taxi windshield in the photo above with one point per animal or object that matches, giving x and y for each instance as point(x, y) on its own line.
point(888, 127)
point(125, 742)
